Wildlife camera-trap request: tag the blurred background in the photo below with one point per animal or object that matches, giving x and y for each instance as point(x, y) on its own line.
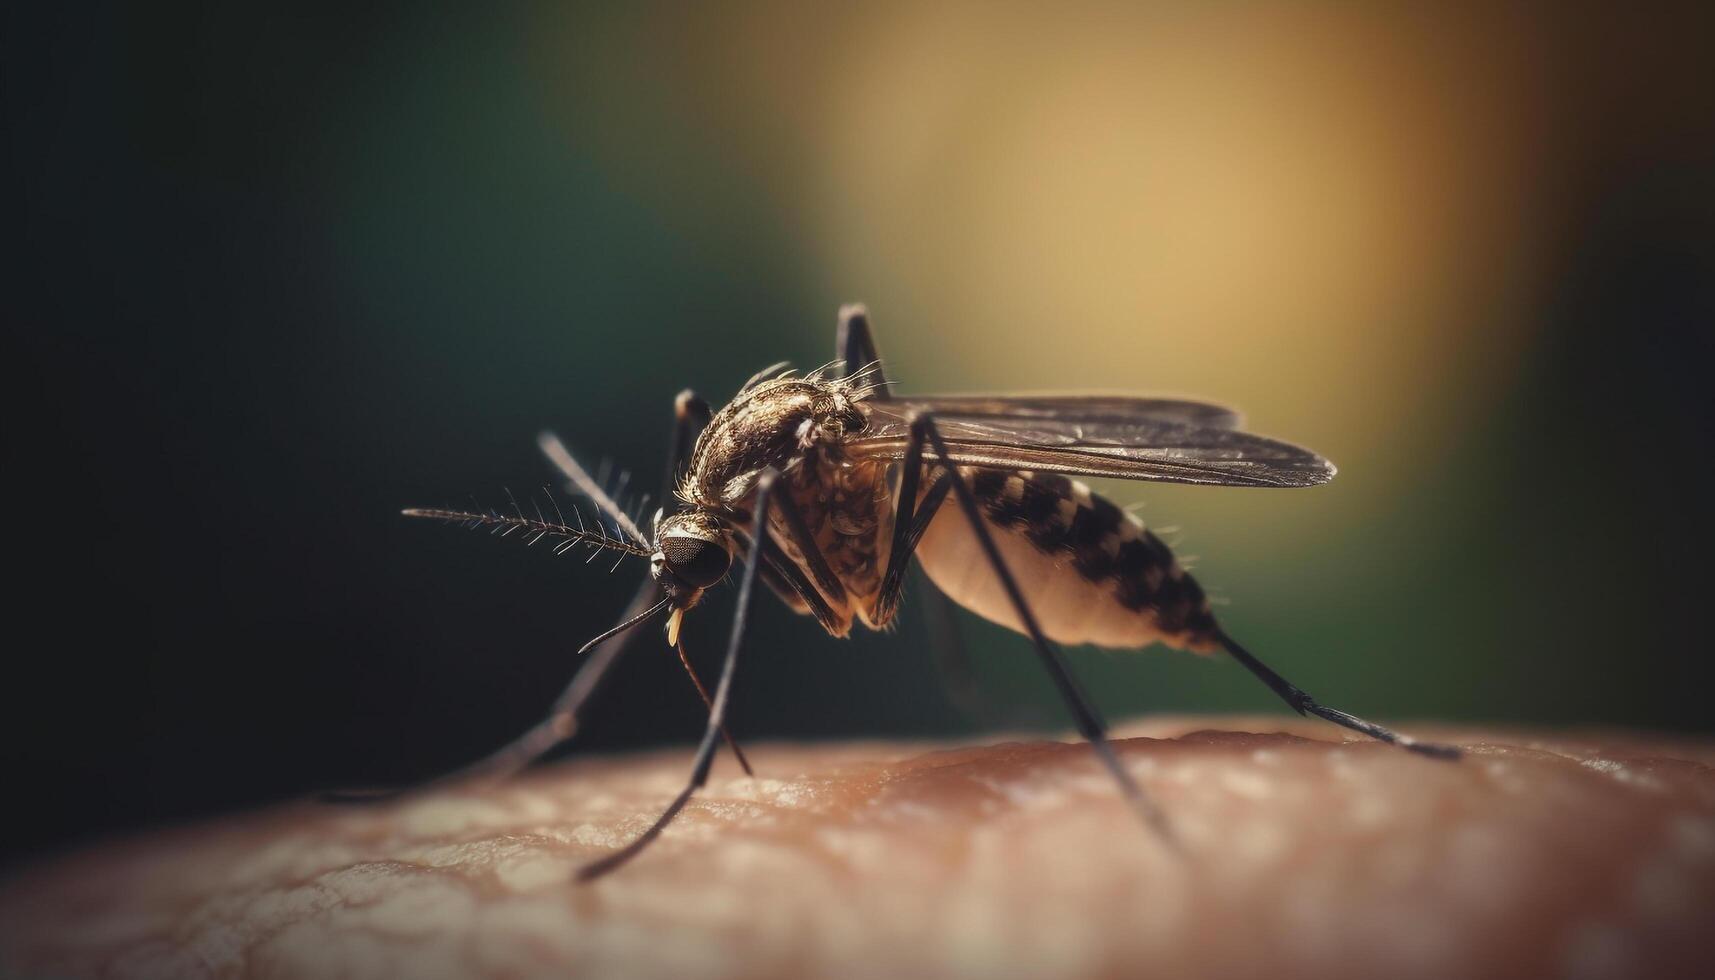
point(279, 273)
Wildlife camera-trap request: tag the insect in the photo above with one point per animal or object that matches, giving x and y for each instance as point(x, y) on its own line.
point(825, 486)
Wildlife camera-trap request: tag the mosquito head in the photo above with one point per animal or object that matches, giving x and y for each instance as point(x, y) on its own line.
point(693, 550)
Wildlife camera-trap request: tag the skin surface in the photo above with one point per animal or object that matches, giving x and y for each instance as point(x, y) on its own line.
point(1577, 855)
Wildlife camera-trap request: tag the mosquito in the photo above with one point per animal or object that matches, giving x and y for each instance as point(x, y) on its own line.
point(825, 486)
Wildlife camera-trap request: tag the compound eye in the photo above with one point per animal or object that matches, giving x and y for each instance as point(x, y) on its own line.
point(697, 562)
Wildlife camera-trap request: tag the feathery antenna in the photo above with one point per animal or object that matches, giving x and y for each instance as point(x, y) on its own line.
point(565, 535)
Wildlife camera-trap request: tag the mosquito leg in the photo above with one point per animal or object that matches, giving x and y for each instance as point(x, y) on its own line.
point(855, 345)
point(800, 535)
point(910, 523)
point(952, 661)
point(1305, 704)
point(788, 582)
point(1089, 722)
point(690, 413)
point(784, 576)
point(703, 692)
point(957, 671)
point(785, 590)
point(560, 725)
point(911, 520)
point(717, 708)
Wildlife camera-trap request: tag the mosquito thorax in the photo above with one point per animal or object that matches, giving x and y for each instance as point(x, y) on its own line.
point(770, 423)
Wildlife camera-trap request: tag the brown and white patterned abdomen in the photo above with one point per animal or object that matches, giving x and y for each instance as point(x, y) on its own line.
point(1091, 571)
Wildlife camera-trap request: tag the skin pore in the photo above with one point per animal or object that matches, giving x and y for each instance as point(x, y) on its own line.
point(1573, 854)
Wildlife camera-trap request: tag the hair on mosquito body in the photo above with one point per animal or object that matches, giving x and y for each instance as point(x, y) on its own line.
point(826, 487)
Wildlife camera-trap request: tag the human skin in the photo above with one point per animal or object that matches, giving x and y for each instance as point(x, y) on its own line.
point(1538, 854)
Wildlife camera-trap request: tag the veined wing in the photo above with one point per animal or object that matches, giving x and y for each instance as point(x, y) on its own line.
point(1090, 410)
point(1055, 435)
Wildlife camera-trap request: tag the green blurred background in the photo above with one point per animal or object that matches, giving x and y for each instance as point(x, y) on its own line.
point(285, 271)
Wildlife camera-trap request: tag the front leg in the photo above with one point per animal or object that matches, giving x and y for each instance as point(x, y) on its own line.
point(765, 495)
point(690, 414)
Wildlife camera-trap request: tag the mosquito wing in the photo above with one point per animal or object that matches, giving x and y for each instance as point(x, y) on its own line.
point(1128, 438)
point(1084, 408)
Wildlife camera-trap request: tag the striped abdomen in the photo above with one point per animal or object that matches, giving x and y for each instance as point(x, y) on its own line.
point(1091, 571)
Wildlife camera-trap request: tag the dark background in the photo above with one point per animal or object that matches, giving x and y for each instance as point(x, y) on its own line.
point(278, 273)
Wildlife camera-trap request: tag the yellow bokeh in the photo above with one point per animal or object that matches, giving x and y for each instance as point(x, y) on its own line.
point(1329, 216)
